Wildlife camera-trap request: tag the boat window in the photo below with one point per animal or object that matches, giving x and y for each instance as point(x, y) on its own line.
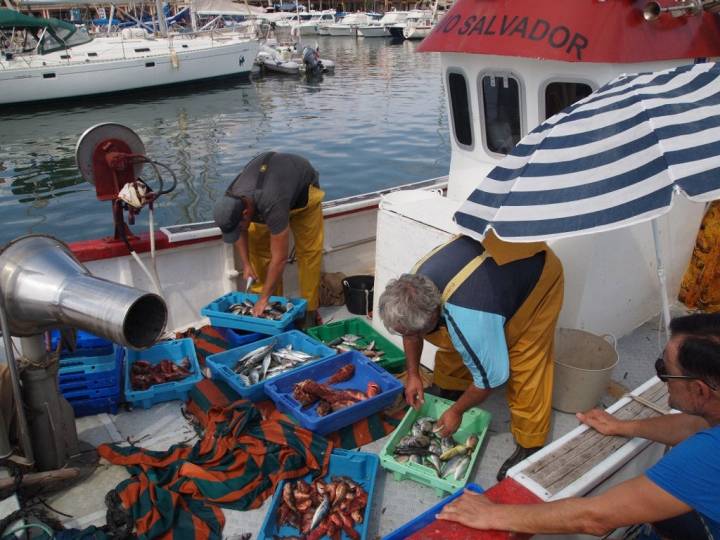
point(460, 108)
point(500, 96)
point(58, 37)
point(559, 95)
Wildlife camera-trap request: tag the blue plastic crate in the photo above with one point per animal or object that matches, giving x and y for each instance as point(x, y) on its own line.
point(361, 467)
point(219, 316)
point(99, 370)
point(427, 517)
point(86, 407)
point(222, 364)
point(280, 390)
point(239, 337)
point(83, 340)
point(175, 351)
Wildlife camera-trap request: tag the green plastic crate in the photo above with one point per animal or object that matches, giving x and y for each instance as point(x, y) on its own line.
point(474, 421)
point(394, 358)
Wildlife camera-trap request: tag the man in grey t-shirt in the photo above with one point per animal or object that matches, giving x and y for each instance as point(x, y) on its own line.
point(274, 194)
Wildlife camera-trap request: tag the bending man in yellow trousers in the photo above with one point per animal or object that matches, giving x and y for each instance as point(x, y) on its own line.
point(491, 309)
point(274, 194)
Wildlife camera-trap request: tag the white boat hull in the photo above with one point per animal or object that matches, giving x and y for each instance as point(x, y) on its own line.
point(339, 30)
point(373, 31)
point(416, 32)
point(308, 30)
point(156, 68)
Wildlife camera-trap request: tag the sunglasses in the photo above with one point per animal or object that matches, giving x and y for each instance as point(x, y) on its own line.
point(661, 372)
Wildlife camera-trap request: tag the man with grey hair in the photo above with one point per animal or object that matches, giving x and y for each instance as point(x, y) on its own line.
point(491, 309)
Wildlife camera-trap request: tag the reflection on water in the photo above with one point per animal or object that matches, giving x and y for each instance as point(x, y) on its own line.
point(379, 121)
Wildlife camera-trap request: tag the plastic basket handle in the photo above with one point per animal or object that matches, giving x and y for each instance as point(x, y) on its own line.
point(610, 339)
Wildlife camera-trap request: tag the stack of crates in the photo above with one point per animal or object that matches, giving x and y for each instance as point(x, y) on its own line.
point(90, 377)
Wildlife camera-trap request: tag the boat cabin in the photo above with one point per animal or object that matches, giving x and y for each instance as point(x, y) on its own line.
point(507, 66)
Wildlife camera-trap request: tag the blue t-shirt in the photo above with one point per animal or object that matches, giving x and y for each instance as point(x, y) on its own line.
point(691, 472)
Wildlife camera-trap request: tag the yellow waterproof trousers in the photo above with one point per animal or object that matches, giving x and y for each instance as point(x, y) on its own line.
point(306, 225)
point(530, 337)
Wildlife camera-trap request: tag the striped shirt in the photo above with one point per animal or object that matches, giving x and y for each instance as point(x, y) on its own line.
point(476, 312)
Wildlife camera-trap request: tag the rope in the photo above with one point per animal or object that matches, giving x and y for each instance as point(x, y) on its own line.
point(649, 404)
point(50, 359)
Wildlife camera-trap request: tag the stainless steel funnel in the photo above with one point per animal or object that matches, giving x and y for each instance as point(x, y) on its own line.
point(44, 286)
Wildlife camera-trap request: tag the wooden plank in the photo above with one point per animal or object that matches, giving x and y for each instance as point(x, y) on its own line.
point(577, 456)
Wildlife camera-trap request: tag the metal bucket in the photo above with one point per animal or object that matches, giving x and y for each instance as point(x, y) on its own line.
point(583, 365)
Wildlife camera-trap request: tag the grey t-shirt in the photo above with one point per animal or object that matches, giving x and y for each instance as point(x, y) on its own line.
point(284, 188)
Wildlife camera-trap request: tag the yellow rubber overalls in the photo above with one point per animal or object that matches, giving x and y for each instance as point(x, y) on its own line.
point(306, 225)
point(529, 335)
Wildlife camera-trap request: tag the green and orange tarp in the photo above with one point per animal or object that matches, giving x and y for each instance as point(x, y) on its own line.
point(245, 451)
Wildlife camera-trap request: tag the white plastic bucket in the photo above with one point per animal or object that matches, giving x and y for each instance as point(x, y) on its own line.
point(583, 365)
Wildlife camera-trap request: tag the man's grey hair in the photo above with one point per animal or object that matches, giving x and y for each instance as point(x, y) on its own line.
point(409, 304)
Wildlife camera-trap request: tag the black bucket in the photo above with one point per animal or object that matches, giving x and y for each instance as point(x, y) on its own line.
point(358, 292)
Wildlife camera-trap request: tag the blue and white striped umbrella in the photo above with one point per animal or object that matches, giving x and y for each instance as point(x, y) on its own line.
point(610, 160)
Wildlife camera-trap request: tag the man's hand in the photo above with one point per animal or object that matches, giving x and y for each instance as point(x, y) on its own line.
point(601, 422)
point(449, 422)
point(414, 393)
point(259, 307)
point(470, 509)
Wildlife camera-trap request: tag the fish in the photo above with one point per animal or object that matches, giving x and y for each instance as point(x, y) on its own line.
point(371, 346)
point(461, 467)
point(446, 443)
point(373, 389)
point(456, 467)
point(471, 442)
point(351, 338)
point(343, 374)
point(335, 342)
point(321, 512)
point(244, 379)
point(287, 495)
point(266, 364)
point(416, 430)
point(254, 376)
point(435, 449)
point(411, 451)
point(435, 463)
point(416, 459)
point(457, 450)
point(402, 458)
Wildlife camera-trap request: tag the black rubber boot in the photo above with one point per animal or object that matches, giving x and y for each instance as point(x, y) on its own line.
point(517, 456)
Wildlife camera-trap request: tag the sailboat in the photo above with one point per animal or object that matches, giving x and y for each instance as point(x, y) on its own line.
point(47, 59)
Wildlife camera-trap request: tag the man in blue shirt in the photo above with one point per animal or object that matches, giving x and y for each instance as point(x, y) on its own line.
point(679, 495)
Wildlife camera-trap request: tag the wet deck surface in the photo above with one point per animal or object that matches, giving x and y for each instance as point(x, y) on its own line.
point(394, 503)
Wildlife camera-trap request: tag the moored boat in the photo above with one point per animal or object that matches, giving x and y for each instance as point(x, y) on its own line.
point(58, 60)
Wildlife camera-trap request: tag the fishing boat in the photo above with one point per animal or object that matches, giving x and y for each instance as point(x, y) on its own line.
point(507, 66)
point(48, 59)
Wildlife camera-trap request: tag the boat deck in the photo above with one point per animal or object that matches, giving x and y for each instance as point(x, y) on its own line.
point(163, 425)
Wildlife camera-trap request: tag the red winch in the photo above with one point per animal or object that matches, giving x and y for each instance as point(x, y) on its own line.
point(111, 157)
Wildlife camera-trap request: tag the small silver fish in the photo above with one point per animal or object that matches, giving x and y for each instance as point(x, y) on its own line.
point(350, 338)
point(321, 512)
point(414, 458)
point(435, 463)
point(462, 467)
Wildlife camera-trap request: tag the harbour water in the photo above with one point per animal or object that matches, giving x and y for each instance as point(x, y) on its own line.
point(379, 121)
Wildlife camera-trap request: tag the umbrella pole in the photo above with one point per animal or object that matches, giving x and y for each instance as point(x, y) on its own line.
point(661, 278)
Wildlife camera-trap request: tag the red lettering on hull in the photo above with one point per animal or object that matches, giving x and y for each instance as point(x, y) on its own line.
point(577, 31)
